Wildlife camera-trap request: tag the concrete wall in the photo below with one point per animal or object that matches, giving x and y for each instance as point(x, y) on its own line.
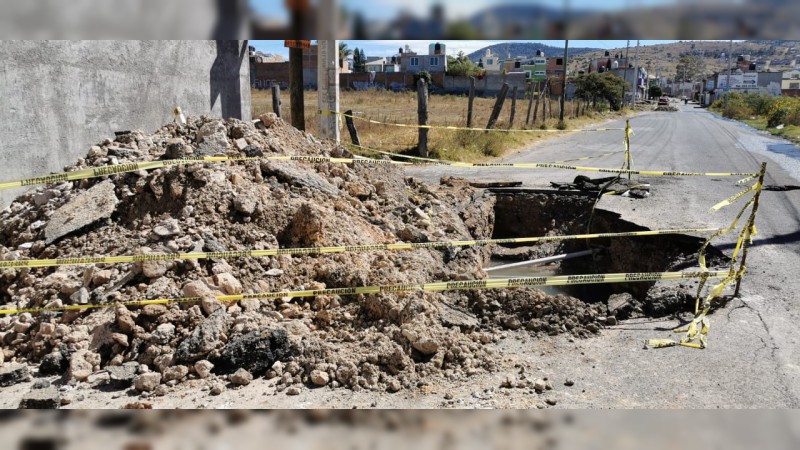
point(57, 98)
point(489, 86)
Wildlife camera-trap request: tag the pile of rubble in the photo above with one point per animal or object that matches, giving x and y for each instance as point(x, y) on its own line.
point(379, 342)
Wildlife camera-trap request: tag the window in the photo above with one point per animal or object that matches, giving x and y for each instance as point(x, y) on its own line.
point(489, 61)
point(559, 61)
point(540, 61)
point(434, 61)
point(414, 61)
point(527, 74)
point(794, 85)
point(539, 73)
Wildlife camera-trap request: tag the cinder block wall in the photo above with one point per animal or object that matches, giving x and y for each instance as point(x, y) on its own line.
point(57, 98)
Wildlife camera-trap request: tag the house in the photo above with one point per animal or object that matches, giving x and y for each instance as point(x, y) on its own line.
point(385, 64)
point(790, 83)
point(537, 69)
point(491, 62)
point(629, 75)
point(434, 61)
point(555, 67)
point(607, 62)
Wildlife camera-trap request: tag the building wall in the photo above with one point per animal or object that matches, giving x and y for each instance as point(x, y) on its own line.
point(60, 97)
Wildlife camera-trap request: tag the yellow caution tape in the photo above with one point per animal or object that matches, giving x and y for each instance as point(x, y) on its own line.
point(72, 261)
point(327, 112)
point(490, 283)
point(735, 197)
point(102, 171)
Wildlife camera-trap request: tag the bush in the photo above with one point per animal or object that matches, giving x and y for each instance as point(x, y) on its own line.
point(784, 110)
point(423, 75)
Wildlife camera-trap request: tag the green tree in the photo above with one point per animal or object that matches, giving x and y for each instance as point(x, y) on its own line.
point(689, 67)
point(461, 66)
point(655, 91)
point(600, 86)
point(359, 60)
point(344, 52)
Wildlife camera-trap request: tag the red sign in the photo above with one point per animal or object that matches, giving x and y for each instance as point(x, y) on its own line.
point(297, 44)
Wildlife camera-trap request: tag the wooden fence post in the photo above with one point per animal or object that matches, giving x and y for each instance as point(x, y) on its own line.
point(351, 127)
point(276, 99)
point(498, 106)
point(513, 107)
point(470, 101)
point(422, 113)
point(531, 93)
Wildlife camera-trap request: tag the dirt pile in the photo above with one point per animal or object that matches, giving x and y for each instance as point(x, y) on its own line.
point(383, 341)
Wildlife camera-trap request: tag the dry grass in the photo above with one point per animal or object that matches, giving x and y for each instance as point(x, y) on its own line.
point(446, 110)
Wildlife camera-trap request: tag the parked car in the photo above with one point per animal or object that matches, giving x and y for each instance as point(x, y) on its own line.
point(664, 100)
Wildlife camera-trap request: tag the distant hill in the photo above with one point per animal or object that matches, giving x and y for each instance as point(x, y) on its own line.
point(527, 50)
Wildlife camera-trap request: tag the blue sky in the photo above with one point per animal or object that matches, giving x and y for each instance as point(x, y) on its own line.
point(455, 9)
point(388, 48)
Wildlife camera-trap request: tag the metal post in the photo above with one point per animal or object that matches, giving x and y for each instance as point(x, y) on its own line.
point(328, 89)
point(750, 223)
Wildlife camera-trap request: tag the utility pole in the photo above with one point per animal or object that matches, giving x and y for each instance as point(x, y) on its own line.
point(728, 80)
point(627, 47)
point(298, 10)
point(328, 88)
point(635, 75)
point(563, 85)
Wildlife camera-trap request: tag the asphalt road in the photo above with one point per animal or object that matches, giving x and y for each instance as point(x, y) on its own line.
point(753, 358)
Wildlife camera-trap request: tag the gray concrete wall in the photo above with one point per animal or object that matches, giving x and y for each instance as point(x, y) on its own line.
point(489, 86)
point(57, 98)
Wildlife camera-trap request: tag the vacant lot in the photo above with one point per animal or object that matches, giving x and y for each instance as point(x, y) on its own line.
point(461, 145)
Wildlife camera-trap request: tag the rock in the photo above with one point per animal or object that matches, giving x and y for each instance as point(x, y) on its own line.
point(295, 175)
point(569, 382)
point(175, 373)
point(539, 385)
point(13, 373)
point(204, 338)
point(154, 310)
point(101, 277)
point(147, 382)
point(319, 377)
point(120, 339)
point(256, 351)
point(99, 202)
point(217, 388)
point(292, 390)
point(241, 377)
point(53, 364)
point(252, 151)
point(611, 320)
point(421, 342)
point(155, 269)
point(167, 228)
point(245, 205)
point(268, 119)
point(240, 143)
point(79, 367)
point(394, 385)
point(551, 401)
point(620, 304)
point(213, 137)
point(307, 225)
point(228, 283)
point(41, 398)
point(175, 149)
point(80, 297)
point(122, 376)
point(203, 368)
point(125, 320)
point(274, 272)
point(163, 333)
